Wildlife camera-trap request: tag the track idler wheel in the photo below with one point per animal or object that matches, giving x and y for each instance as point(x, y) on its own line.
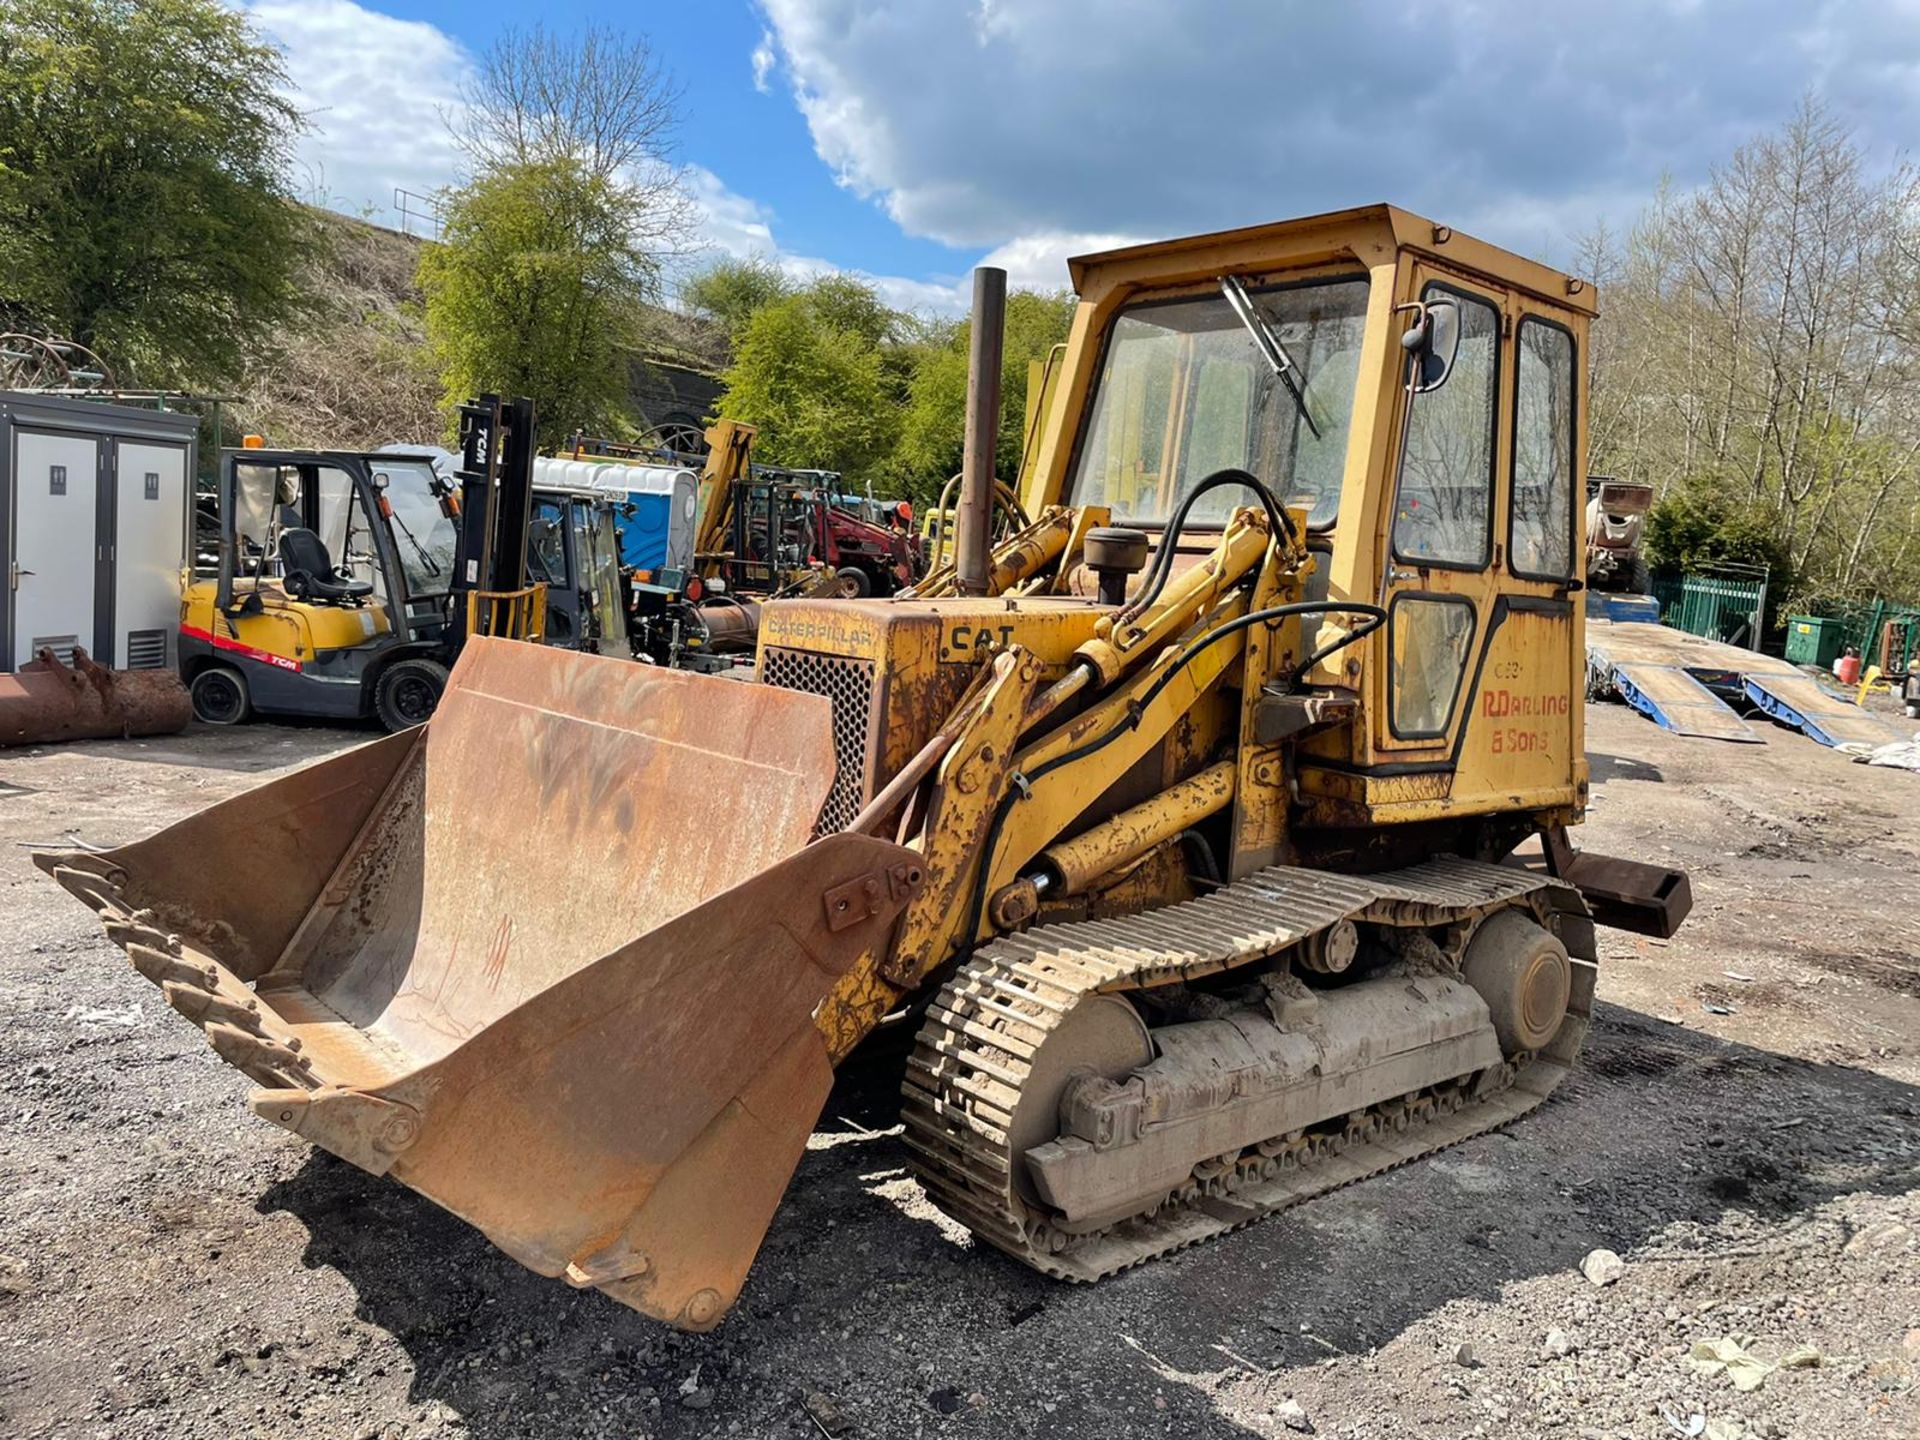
point(1521, 970)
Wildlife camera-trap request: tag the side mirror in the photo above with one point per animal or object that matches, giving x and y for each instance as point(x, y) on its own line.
point(1432, 342)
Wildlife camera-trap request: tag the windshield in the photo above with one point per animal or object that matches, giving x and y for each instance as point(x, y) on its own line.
point(1185, 389)
point(423, 534)
point(600, 562)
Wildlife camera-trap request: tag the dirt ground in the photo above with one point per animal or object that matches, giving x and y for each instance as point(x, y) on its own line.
point(1745, 1134)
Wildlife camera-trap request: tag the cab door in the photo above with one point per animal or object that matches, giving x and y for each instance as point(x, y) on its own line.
point(1482, 681)
point(1524, 729)
point(1440, 572)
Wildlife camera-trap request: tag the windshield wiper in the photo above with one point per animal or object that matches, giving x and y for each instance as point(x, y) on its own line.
point(1268, 344)
point(427, 562)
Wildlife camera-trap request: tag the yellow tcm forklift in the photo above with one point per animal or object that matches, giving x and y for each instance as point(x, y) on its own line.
point(348, 582)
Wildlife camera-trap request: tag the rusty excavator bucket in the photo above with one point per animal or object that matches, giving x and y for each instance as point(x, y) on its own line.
point(46, 702)
point(550, 959)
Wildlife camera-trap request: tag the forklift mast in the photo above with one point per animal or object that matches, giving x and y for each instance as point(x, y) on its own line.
point(496, 497)
point(496, 477)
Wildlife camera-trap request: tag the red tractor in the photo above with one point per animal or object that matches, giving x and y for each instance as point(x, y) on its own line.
point(788, 522)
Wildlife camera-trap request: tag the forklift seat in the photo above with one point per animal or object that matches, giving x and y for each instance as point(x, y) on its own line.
point(309, 571)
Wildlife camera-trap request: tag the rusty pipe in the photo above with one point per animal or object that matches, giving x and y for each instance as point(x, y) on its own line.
point(46, 702)
point(867, 822)
point(973, 519)
point(731, 624)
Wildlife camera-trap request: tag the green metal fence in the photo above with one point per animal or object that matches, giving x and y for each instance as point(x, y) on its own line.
point(1718, 607)
point(1864, 620)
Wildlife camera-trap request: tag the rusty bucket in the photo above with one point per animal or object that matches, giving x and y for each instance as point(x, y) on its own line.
point(46, 702)
point(550, 959)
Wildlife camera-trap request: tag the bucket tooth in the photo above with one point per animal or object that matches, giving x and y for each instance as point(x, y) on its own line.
point(201, 1005)
point(94, 884)
point(164, 969)
point(256, 1055)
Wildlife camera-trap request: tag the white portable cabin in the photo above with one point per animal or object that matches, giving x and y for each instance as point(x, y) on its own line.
point(659, 534)
point(96, 512)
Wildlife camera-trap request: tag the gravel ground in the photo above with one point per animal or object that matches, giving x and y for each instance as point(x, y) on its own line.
point(171, 1266)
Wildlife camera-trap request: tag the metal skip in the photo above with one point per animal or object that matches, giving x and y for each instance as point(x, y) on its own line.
point(550, 959)
point(46, 702)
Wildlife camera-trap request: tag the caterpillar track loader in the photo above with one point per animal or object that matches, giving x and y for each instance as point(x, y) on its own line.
point(1190, 827)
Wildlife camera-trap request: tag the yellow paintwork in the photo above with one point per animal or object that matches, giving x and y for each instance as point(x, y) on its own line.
point(511, 614)
point(290, 629)
point(729, 458)
point(1074, 691)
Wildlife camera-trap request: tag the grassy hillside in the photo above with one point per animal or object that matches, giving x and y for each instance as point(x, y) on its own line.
point(356, 373)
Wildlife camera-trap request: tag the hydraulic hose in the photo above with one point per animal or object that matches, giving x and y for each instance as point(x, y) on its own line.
point(1162, 569)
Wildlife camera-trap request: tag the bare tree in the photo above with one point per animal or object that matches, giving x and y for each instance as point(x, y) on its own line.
point(1753, 354)
point(598, 99)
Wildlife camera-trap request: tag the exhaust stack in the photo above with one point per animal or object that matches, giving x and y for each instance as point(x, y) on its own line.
point(973, 516)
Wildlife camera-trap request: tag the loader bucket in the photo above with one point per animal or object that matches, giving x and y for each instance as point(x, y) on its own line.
point(549, 959)
point(46, 702)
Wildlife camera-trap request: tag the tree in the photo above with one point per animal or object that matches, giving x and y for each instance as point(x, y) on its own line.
point(808, 373)
point(144, 208)
point(731, 292)
point(533, 290)
point(1753, 362)
point(550, 252)
point(932, 430)
point(598, 99)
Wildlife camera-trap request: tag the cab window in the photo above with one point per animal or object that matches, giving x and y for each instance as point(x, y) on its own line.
point(1444, 514)
point(1429, 637)
point(1541, 541)
point(1185, 389)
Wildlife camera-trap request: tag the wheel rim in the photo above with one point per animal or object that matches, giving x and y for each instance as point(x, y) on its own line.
point(413, 698)
point(218, 700)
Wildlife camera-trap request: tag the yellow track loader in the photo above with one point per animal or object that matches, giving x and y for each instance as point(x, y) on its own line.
point(1190, 827)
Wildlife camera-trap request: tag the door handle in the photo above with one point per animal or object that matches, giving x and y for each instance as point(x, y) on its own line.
point(1401, 577)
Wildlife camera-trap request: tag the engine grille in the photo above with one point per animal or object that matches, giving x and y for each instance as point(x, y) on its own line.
point(849, 685)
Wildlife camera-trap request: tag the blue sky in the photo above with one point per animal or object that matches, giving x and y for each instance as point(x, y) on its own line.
point(910, 139)
point(755, 140)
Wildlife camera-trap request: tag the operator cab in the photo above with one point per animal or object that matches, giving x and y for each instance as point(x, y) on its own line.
point(573, 548)
point(1411, 394)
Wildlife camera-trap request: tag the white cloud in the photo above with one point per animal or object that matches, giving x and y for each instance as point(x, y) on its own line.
point(729, 223)
point(972, 121)
point(763, 61)
point(1039, 261)
point(374, 90)
point(734, 225)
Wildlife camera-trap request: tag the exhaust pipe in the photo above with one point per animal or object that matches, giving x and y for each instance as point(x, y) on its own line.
point(973, 517)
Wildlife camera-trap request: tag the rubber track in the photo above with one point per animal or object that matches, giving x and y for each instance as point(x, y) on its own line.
point(974, 1050)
